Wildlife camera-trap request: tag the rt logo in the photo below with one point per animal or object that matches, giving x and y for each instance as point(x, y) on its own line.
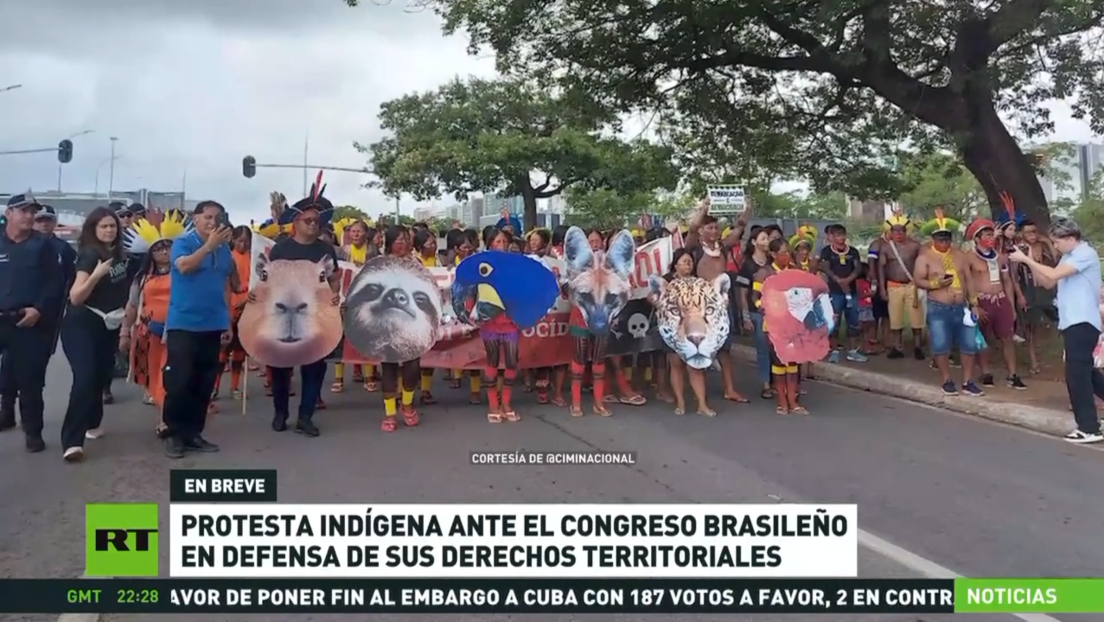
point(121, 540)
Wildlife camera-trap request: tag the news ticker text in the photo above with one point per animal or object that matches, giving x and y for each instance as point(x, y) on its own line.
point(571, 596)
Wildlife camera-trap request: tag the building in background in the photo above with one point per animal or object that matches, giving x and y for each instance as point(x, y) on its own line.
point(73, 207)
point(1071, 184)
point(558, 204)
point(471, 211)
point(424, 214)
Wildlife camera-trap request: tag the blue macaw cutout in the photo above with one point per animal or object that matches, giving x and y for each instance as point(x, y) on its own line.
point(500, 282)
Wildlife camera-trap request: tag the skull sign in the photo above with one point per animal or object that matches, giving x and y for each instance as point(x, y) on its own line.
point(638, 325)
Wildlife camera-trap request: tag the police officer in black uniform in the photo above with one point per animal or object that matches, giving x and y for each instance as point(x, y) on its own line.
point(31, 292)
point(45, 223)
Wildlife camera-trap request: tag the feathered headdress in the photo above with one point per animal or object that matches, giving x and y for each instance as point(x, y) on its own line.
point(806, 234)
point(270, 228)
point(314, 201)
point(897, 218)
point(979, 225)
point(155, 227)
point(940, 224)
point(1010, 217)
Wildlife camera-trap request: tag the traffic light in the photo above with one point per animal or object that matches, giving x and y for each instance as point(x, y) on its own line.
point(65, 151)
point(249, 166)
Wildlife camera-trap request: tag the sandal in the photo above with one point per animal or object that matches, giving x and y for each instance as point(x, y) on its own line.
point(576, 412)
point(680, 411)
point(320, 405)
point(475, 398)
point(337, 387)
point(799, 410)
point(558, 401)
point(389, 424)
point(664, 397)
point(454, 383)
point(634, 400)
point(494, 417)
point(707, 412)
point(542, 397)
point(781, 410)
point(610, 399)
point(427, 398)
point(372, 386)
point(739, 399)
point(767, 394)
point(602, 411)
point(511, 416)
point(410, 416)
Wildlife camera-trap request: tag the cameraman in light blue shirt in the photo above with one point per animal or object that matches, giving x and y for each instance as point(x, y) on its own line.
point(1077, 277)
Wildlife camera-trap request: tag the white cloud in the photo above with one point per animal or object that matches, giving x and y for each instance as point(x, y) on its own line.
point(196, 86)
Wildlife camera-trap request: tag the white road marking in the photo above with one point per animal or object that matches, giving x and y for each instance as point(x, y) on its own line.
point(925, 566)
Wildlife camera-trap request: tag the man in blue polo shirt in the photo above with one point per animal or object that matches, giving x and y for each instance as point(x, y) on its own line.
point(196, 328)
point(1077, 279)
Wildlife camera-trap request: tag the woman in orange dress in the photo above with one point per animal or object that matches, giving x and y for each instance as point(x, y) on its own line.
point(233, 354)
point(148, 305)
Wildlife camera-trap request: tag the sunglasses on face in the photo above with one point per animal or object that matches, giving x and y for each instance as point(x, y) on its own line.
point(309, 221)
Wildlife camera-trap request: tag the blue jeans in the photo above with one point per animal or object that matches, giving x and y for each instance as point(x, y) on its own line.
point(946, 329)
point(848, 307)
point(312, 377)
point(762, 349)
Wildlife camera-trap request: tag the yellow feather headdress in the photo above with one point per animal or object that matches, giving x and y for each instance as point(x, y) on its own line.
point(156, 226)
point(940, 224)
point(271, 228)
point(806, 234)
point(897, 219)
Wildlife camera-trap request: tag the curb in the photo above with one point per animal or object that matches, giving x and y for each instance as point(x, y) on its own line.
point(1042, 420)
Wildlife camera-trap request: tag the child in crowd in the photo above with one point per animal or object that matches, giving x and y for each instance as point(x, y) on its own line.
point(866, 309)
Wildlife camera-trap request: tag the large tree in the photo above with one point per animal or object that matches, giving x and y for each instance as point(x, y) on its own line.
point(822, 87)
point(509, 137)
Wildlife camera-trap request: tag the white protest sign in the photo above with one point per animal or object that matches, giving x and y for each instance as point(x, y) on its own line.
point(727, 199)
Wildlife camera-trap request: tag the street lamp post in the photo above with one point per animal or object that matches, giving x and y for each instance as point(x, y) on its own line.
point(84, 133)
point(111, 173)
point(99, 169)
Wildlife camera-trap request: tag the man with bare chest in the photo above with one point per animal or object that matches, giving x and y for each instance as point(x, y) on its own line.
point(896, 265)
point(1035, 302)
point(710, 255)
point(992, 278)
point(944, 273)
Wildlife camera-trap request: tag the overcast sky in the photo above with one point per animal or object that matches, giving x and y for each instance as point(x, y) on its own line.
point(196, 85)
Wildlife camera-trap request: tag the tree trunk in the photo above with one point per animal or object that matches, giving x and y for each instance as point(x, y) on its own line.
point(996, 160)
point(529, 218)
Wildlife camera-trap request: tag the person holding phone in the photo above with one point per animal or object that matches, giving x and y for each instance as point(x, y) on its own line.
point(1077, 279)
point(197, 327)
point(944, 273)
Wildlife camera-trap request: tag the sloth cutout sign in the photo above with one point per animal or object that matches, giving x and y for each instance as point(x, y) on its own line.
point(392, 310)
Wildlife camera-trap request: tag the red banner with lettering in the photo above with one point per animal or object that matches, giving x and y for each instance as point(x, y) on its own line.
point(547, 344)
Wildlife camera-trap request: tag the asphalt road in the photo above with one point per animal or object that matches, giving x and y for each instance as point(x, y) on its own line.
point(937, 492)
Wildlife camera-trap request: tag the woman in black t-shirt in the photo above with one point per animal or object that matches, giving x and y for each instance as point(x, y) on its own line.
point(755, 257)
point(90, 329)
